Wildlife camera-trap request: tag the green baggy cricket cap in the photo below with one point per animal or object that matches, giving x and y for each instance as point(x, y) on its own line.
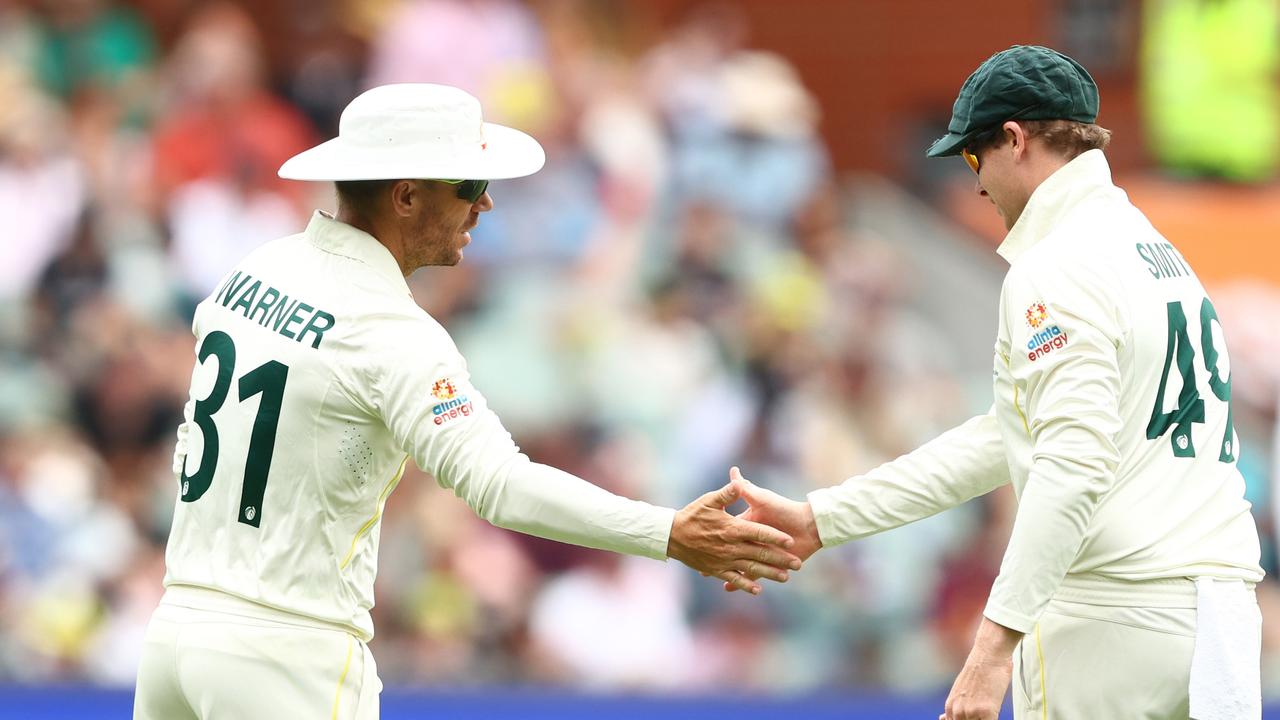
point(1025, 82)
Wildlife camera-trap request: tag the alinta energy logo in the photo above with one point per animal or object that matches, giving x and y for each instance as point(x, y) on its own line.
point(444, 389)
point(1049, 336)
point(454, 406)
point(1036, 315)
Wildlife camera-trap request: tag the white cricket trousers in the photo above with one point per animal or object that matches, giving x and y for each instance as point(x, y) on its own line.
point(1105, 650)
point(202, 664)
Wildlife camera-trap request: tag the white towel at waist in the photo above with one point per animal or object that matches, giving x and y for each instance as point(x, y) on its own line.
point(1226, 678)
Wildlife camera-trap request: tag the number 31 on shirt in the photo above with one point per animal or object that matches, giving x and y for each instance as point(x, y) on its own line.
point(267, 380)
point(1190, 407)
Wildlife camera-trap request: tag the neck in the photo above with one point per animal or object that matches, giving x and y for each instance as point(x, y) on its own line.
point(1042, 170)
point(388, 236)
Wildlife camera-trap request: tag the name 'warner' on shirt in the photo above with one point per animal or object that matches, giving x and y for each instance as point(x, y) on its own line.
point(240, 294)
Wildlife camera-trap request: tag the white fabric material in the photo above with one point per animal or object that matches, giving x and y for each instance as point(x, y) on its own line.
point(1086, 340)
point(371, 380)
point(1086, 661)
point(1226, 681)
point(241, 662)
point(417, 130)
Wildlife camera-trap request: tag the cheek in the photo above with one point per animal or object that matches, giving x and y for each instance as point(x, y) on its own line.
point(991, 183)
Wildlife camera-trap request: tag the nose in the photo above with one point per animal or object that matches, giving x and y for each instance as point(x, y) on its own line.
point(485, 203)
point(977, 187)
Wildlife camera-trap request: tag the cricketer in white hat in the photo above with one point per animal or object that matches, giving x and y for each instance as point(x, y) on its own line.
point(318, 378)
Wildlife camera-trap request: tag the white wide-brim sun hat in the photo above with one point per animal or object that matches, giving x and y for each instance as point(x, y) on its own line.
point(417, 131)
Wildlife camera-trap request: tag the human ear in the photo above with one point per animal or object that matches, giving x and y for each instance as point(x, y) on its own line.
point(404, 193)
point(1017, 137)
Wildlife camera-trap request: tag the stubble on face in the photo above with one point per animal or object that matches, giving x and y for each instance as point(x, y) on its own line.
point(438, 230)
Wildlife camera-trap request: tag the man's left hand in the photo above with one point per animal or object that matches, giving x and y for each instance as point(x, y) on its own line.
point(715, 543)
point(979, 690)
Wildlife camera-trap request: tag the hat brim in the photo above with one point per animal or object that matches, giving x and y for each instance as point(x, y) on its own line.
point(506, 153)
point(949, 144)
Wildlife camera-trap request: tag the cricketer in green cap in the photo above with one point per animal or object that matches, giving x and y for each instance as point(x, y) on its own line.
point(1126, 590)
point(1025, 82)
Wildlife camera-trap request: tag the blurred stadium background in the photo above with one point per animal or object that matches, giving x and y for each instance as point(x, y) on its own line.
point(737, 253)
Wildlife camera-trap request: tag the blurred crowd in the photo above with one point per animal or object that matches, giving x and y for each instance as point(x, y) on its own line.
point(676, 292)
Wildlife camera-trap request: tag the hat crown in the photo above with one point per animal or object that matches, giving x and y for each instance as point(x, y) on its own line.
point(417, 130)
point(1024, 82)
point(412, 114)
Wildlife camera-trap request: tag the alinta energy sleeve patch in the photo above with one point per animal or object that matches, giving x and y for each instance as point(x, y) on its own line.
point(453, 403)
point(1046, 334)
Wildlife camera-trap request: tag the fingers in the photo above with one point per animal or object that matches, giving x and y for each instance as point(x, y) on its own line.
point(772, 557)
point(755, 532)
point(738, 581)
point(754, 569)
point(744, 486)
point(722, 498)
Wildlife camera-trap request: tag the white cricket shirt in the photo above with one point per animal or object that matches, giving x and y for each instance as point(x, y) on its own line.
point(317, 378)
point(1112, 414)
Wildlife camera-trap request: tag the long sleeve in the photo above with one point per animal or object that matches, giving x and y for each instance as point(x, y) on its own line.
point(1070, 390)
point(960, 464)
point(426, 398)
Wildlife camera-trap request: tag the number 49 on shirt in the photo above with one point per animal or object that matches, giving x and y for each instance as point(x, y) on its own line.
point(1190, 408)
point(267, 380)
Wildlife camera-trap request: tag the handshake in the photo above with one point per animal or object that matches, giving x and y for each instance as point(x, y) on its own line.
point(775, 535)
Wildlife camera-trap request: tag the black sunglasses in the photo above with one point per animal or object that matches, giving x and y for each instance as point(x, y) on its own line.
point(469, 190)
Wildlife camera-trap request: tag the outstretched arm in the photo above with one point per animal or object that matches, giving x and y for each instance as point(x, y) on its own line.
point(958, 465)
point(469, 452)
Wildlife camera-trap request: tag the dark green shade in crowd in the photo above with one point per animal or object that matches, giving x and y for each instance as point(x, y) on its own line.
point(1025, 82)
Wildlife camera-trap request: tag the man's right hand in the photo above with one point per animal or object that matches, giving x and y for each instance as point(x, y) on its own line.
point(769, 508)
point(713, 542)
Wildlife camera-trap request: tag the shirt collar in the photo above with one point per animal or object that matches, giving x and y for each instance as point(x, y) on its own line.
point(342, 239)
point(1057, 196)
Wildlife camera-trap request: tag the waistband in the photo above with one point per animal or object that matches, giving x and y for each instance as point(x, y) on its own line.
point(210, 600)
point(1094, 589)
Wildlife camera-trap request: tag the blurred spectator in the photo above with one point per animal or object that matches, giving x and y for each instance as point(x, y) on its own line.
point(486, 47)
point(19, 35)
point(759, 153)
point(41, 184)
point(614, 623)
point(218, 148)
point(92, 43)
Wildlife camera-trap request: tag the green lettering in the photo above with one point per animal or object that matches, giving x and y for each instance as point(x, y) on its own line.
point(226, 296)
point(315, 327)
point(1166, 268)
point(1170, 269)
point(1173, 252)
point(1145, 254)
point(295, 318)
point(281, 312)
point(247, 298)
point(268, 299)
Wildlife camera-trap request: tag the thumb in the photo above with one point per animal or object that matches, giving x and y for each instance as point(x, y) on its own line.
point(724, 497)
point(744, 486)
